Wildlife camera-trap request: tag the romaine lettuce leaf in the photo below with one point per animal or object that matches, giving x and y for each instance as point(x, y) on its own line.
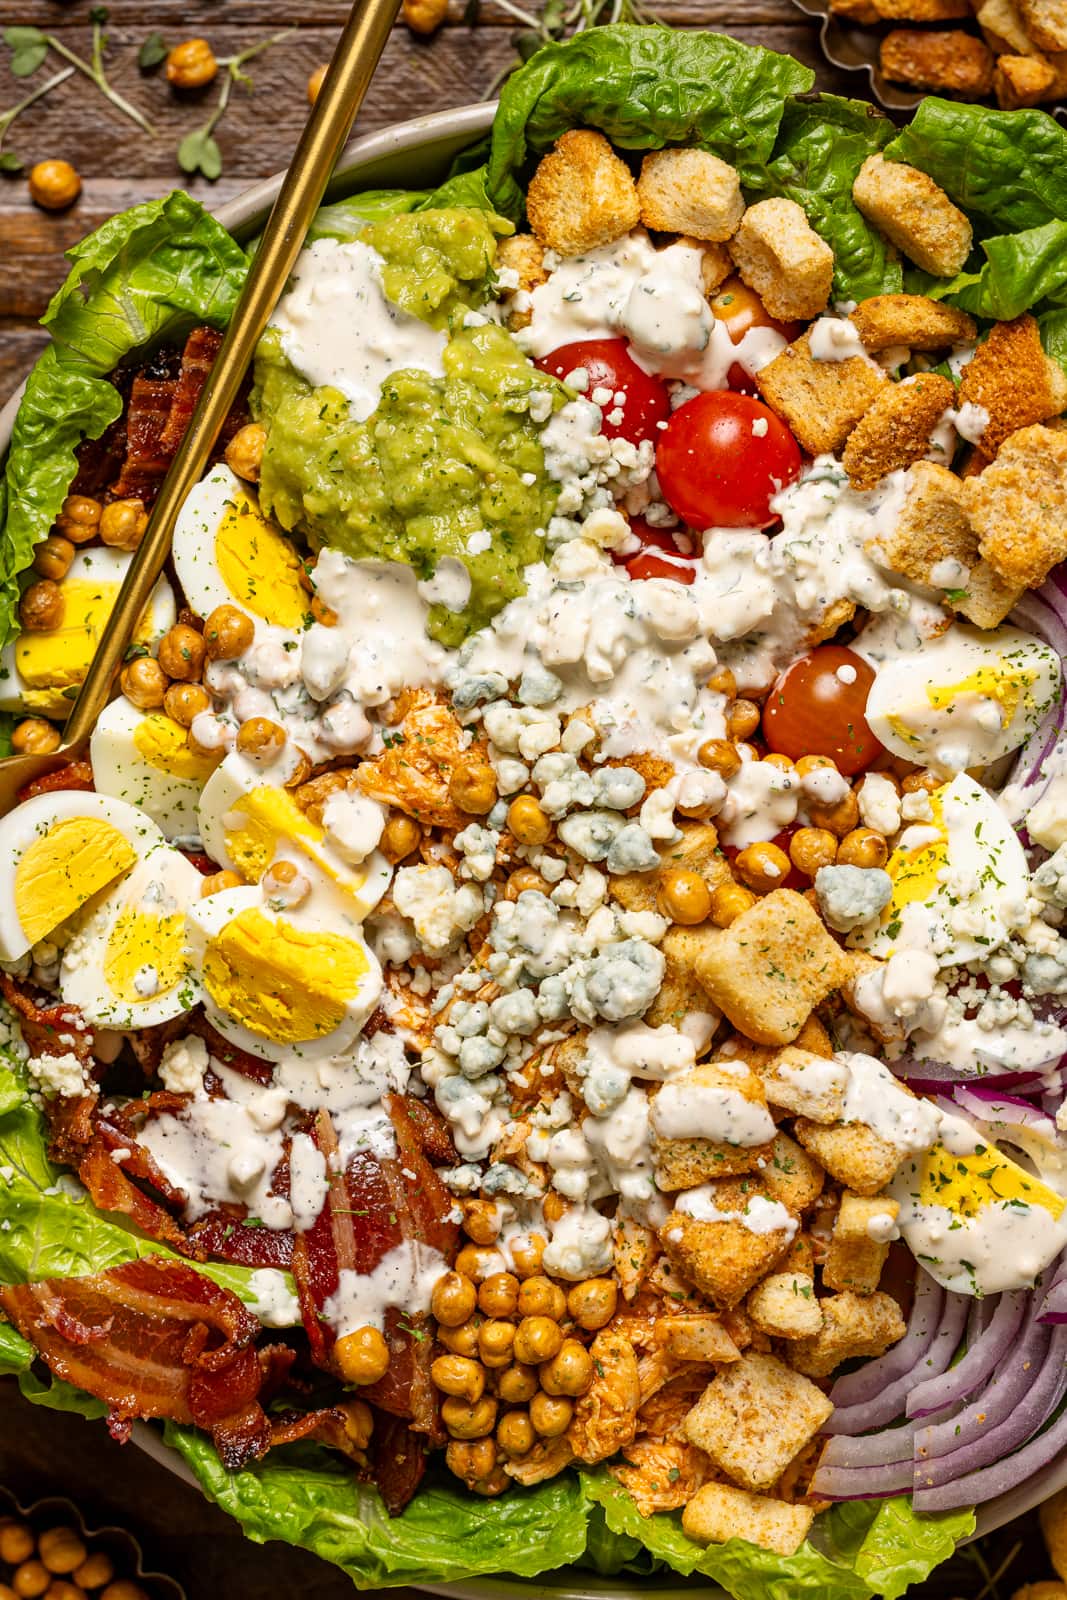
point(1053, 326)
point(17, 1356)
point(1021, 270)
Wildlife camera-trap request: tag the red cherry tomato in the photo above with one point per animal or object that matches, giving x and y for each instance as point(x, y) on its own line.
point(722, 458)
point(817, 709)
point(611, 366)
point(648, 563)
point(741, 309)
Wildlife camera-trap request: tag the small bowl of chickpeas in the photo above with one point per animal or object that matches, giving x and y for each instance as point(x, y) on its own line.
point(48, 1553)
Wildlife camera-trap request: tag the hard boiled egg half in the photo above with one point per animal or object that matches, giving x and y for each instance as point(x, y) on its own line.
point(227, 553)
point(966, 699)
point(41, 672)
point(144, 757)
point(282, 982)
point(960, 881)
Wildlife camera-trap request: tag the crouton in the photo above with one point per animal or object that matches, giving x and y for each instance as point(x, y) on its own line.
point(718, 1512)
point(821, 401)
point(858, 1248)
point(780, 256)
point(681, 993)
point(716, 265)
point(697, 850)
point(791, 1176)
point(754, 1418)
point(1011, 379)
point(800, 1257)
point(784, 1305)
point(1018, 506)
point(852, 1325)
point(772, 966)
point(922, 10)
point(933, 542)
point(1046, 22)
point(696, 1339)
point(581, 196)
point(723, 1257)
point(895, 432)
point(851, 1152)
point(1002, 24)
point(691, 192)
point(1053, 1518)
point(729, 1094)
point(951, 62)
point(523, 256)
point(806, 1084)
point(812, 1036)
point(885, 320)
point(1022, 81)
point(914, 214)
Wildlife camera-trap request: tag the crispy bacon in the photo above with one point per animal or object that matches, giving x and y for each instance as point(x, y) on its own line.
point(76, 775)
point(432, 1131)
point(224, 1235)
point(152, 1339)
point(146, 460)
point(398, 1461)
point(231, 1055)
point(49, 1030)
point(331, 1426)
point(112, 1190)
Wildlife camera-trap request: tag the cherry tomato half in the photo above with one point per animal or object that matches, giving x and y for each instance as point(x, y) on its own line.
point(722, 458)
point(649, 563)
point(611, 366)
point(741, 309)
point(817, 709)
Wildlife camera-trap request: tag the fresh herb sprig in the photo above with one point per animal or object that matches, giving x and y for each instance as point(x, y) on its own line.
point(199, 150)
point(9, 161)
point(30, 46)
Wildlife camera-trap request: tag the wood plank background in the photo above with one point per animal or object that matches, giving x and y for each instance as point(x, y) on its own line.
point(121, 166)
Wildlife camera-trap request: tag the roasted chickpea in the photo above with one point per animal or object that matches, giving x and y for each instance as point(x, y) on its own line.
point(553, 1207)
point(495, 1343)
point(62, 1589)
point(462, 1341)
point(244, 453)
point(684, 897)
point(191, 64)
point(400, 836)
point(424, 16)
point(284, 884)
point(776, 759)
point(95, 1570)
point(144, 682)
point(550, 1414)
point(261, 739)
point(54, 185)
point(466, 1419)
point(728, 901)
point(762, 866)
point(720, 756)
point(16, 1543)
point(33, 736)
point(526, 1253)
point(42, 607)
point(498, 1295)
point(123, 1589)
point(323, 613)
point(806, 765)
point(863, 847)
point(722, 681)
point(515, 1435)
point(30, 1580)
point(478, 1261)
point(472, 1460)
point(181, 653)
point(521, 879)
point(79, 518)
point(570, 1371)
point(53, 556)
point(184, 701)
point(540, 1297)
point(300, 770)
point(914, 781)
point(742, 719)
point(453, 1300)
point(472, 787)
point(527, 821)
point(362, 1357)
point(458, 1375)
point(228, 632)
point(592, 1303)
point(61, 1550)
point(537, 1339)
point(517, 1384)
point(812, 848)
point(218, 882)
point(315, 82)
point(481, 1224)
point(839, 818)
point(122, 524)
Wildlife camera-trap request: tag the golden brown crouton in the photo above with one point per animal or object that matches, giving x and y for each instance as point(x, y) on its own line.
point(690, 191)
point(914, 214)
point(821, 401)
point(780, 256)
point(812, 1036)
point(1053, 1517)
point(1018, 506)
point(800, 1257)
point(952, 61)
point(1046, 22)
point(697, 850)
point(724, 1258)
point(852, 1153)
point(912, 320)
point(522, 255)
point(933, 542)
point(754, 1418)
point(1022, 81)
point(696, 1339)
point(922, 10)
point(681, 992)
point(805, 1084)
point(856, 1255)
point(1013, 381)
point(791, 1176)
point(581, 196)
point(718, 1512)
point(784, 1305)
point(715, 267)
point(852, 1325)
point(772, 966)
point(896, 431)
point(735, 1095)
point(1005, 32)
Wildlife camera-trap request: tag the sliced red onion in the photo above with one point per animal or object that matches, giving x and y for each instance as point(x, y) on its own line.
point(877, 1393)
point(1054, 1305)
point(933, 1077)
point(983, 1102)
point(880, 1449)
point(863, 1483)
point(984, 1352)
point(989, 1407)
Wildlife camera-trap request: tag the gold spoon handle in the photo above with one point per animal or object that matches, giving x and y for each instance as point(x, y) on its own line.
point(321, 142)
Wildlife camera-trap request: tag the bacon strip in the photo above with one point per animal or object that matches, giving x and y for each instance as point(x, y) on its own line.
point(152, 1339)
point(397, 1461)
point(198, 358)
point(146, 460)
point(50, 1030)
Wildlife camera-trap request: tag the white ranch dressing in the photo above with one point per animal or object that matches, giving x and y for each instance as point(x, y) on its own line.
point(874, 1097)
point(403, 1280)
point(760, 1215)
point(684, 1110)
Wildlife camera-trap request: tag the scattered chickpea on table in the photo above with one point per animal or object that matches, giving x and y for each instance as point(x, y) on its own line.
point(57, 1565)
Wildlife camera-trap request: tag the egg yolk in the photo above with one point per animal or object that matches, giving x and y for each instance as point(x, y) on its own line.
point(49, 663)
point(139, 939)
point(916, 872)
point(259, 567)
point(967, 1184)
point(161, 743)
point(1002, 684)
point(259, 822)
point(64, 868)
point(282, 982)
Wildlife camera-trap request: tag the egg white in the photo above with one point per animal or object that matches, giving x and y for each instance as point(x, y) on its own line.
point(227, 553)
point(142, 757)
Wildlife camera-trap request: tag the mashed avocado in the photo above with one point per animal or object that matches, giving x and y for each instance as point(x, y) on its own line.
point(446, 466)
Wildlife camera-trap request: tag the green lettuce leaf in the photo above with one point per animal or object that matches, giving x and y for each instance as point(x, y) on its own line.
point(310, 1499)
point(822, 143)
point(17, 1356)
point(346, 219)
point(1021, 270)
point(644, 87)
point(1053, 327)
point(139, 278)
